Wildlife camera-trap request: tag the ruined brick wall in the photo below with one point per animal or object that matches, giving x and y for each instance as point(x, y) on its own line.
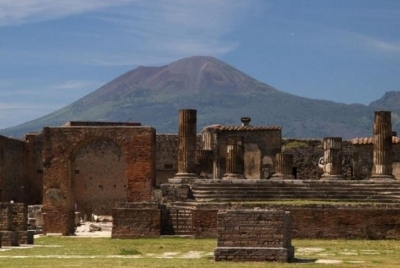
point(34, 168)
point(136, 220)
point(13, 224)
point(98, 178)
point(254, 235)
point(13, 181)
point(167, 156)
point(306, 154)
point(331, 221)
point(60, 149)
point(205, 222)
point(261, 144)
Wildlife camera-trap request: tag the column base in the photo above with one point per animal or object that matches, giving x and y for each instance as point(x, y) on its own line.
point(381, 177)
point(279, 176)
point(233, 176)
point(328, 177)
point(183, 178)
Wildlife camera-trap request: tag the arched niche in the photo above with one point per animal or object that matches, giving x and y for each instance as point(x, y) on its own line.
point(61, 148)
point(98, 176)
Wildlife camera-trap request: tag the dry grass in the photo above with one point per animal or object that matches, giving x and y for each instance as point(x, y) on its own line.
point(106, 252)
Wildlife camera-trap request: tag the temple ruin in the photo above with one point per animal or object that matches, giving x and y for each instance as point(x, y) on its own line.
point(167, 184)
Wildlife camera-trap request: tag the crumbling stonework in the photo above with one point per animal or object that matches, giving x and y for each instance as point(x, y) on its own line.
point(13, 225)
point(254, 235)
point(61, 147)
point(261, 144)
point(136, 220)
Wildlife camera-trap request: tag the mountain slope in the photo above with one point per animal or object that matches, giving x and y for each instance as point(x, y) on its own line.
point(220, 93)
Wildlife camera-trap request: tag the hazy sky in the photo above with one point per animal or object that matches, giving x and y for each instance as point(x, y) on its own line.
point(53, 52)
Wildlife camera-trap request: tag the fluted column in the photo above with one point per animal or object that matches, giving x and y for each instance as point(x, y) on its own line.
point(234, 158)
point(382, 160)
point(284, 167)
point(205, 158)
point(187, 143)
point(332, 158)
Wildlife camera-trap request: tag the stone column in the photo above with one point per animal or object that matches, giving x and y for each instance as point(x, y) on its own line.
point(205, 158)
point(284, 167)
point(234, 158)
point(382, 160)
point(332, 158)
point(187, 144)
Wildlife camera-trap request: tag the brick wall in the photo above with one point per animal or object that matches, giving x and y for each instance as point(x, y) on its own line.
point(136, 220)
point(324, 221)
point(99, 178)
point(13, 224)
point(61, 148)
point(204, 222)
point(12, 176)
point(34, 168)
point(254, 235)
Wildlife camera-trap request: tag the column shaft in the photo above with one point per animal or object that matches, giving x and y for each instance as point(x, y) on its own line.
point(187, 143)
point(382, 158)
point(332, 158)
point(234, 158)
point(284, 166)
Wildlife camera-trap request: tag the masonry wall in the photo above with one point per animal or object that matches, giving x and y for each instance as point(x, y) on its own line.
point(99, 178)
point(34, 168)
point(62, 146)
point(205, 223)
point(136, 220)
point(167, 156)
point(260, 146)
point(306, 154)
point(254, 235)
point(336, 221)
point(13, 180)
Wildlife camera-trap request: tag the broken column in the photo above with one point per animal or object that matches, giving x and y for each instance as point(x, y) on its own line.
point(332, 158)
point(205, 161)
point(382, 158)
point(186, 145)
point(284, 167)
point(234, 158)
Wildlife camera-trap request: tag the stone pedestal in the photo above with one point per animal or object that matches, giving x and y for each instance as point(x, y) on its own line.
point(332, 158)
point(234, 158)
point(186, 147)
point(254, 235)
point(284, 167)
point(382, 159)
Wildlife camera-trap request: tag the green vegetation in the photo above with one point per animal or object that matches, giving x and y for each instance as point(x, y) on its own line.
point(183, 252)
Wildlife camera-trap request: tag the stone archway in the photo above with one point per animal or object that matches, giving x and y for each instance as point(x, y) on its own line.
point(61, 146)
point(98, 177)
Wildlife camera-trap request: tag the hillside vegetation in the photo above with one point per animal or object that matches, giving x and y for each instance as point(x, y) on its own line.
point(221, 94)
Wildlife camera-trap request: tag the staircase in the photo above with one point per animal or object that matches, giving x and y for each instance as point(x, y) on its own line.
point(267, 190)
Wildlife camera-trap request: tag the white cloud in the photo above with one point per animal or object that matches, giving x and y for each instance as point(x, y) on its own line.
point(17, 11)
point(139, 32)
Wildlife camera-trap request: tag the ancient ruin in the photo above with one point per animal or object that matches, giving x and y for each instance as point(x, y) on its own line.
point(382, 146)
point(166, 184)
point(254, 235)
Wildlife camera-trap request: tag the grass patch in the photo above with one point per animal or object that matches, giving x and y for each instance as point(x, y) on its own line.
point(173, 252)
point(129, 252)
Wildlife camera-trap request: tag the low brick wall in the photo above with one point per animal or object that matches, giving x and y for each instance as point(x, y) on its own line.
point(204, 223)
point(319, 221)
point(254, 235)
point(9, 238)
point(136, 220)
